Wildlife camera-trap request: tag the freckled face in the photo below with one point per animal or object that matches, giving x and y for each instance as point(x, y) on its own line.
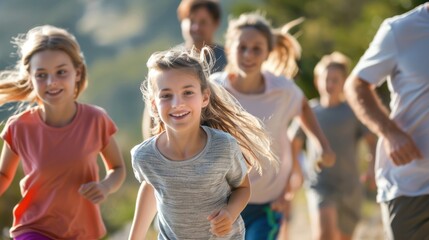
point(249, 50)
point(53, 77)
point(178, 99)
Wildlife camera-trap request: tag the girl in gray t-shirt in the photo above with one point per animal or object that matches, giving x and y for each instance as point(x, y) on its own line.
point(195, 167)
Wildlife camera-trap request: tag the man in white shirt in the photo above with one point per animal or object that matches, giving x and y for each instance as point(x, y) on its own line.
point(399, 54)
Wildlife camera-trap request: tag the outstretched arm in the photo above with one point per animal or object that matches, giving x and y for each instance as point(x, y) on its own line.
point(8, 165)
point(312, 129)
point(144, 212)
point(222, 221)
point(96, 192)
point(362, 98)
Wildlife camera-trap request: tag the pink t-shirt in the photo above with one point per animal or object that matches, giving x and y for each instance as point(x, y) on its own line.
point(56, 162)
point(276, 107)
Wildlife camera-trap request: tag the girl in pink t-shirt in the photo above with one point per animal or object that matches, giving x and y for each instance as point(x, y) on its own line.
point(57, 140)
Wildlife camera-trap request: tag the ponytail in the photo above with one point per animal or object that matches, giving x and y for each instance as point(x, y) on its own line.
point(286, 52)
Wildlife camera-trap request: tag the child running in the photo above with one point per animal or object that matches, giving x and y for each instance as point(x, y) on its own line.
point(260, 64)
point(334, 195)
point(57, 140)
point(195, 165)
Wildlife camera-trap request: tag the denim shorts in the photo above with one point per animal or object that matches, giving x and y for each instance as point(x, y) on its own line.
point(261, 222)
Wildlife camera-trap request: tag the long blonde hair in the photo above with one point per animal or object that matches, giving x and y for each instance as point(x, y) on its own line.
point(285, 51)
point(223, 111)
point(15, 84)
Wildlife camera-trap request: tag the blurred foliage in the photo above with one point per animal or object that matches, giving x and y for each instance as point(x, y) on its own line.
point(117, 37)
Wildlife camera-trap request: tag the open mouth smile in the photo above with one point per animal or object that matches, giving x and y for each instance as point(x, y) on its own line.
point(179, 115)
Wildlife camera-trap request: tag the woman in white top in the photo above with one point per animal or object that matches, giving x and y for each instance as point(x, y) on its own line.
point(260, 65)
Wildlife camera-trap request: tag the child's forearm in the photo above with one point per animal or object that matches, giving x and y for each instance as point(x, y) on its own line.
point(114, 179)
point(9, 162)
point(239, 198)
point(312, 129)
point(5, 182)
point(144, 212)
point(311, 126)
point(115, 167)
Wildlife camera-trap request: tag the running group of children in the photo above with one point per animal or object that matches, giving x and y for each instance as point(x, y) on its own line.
point(220, 162)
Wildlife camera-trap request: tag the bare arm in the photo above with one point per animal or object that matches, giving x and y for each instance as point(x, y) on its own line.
point(222, 221)
point(8, 165)
point(115, 175)
point(144, 212)
point(239, 198)
point(312, 129)
point(362, 98)
point(296, 179)
point(283, 203)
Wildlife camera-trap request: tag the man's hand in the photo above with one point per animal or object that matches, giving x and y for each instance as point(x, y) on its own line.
point(401, 148)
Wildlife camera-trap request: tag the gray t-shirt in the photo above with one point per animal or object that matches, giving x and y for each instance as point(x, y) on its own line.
point(343, 131)
point(188, 191)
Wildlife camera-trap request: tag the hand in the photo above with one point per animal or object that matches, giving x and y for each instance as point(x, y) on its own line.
point(94, 192)
point(401, 148)
point(327, 159)
point(220, 222)
point(283, 205)
point(295, 182)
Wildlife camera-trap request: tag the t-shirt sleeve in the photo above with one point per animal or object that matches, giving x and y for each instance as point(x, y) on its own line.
point(109, 128)
point(238, 169)
point(136, 163)
point(379, 60)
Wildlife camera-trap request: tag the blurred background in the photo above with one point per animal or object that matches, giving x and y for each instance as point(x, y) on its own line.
point(117, 38)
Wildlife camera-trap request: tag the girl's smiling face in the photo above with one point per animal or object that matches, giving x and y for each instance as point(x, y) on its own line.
point(178, 99)
point(249, 50)
point(54, 77)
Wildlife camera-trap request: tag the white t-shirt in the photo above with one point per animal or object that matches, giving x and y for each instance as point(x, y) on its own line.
point(400, 53)
point(281, 101)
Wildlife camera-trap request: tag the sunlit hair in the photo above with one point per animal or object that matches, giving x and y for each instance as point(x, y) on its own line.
point(186, 7)
point(285, 51)
point(335, 60)
point(223, 112)
point(15, 84)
